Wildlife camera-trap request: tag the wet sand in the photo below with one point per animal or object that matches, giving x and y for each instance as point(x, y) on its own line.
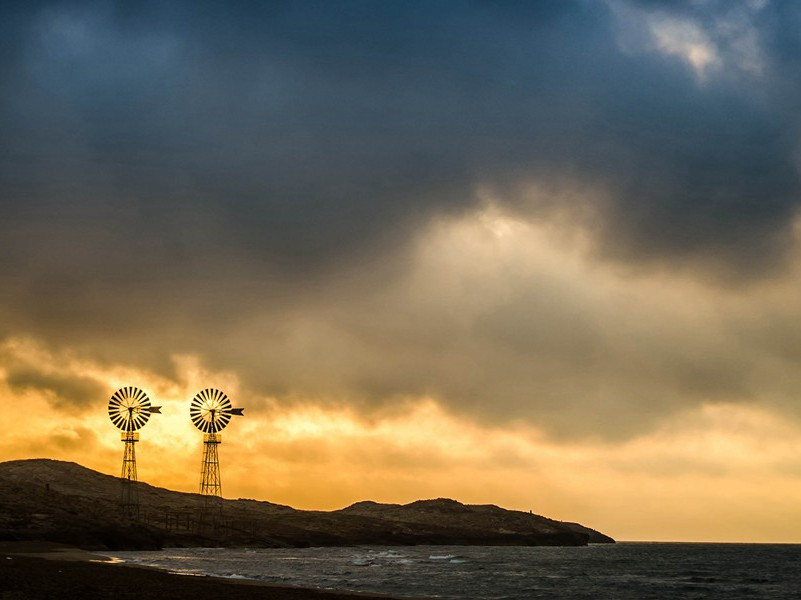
point(39, 570)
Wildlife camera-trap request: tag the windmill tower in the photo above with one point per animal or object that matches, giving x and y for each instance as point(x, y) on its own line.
point(129, 409)
point(210, 411)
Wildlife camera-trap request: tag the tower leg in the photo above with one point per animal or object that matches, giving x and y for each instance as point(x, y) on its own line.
point(210, 482)
point(129, 499)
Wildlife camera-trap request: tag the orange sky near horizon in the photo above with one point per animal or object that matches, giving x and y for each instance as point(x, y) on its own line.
point(658, 487)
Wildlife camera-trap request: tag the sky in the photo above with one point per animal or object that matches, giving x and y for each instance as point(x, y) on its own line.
point(541, 255)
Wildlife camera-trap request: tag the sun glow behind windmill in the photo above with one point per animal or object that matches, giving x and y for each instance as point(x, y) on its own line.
point(211, 410)
point(129, 410)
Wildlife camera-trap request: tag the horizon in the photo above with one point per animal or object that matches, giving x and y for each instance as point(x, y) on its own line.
point(633, 541)
point(546, 256)
point(422, 499)
point(389, 503)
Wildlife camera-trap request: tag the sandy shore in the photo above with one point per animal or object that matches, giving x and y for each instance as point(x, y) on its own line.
point(38, 570)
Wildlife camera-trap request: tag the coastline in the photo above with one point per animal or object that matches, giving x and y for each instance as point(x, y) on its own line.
point(63, 502)
point(42, 570)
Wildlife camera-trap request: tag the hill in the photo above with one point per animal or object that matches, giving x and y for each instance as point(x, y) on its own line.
point(42, 499)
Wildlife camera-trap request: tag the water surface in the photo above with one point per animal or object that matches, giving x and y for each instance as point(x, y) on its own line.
point(624, 570)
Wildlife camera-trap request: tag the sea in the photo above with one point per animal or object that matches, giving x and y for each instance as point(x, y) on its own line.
point(623, 570)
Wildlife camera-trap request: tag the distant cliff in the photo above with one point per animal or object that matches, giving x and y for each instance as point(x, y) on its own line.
point(65, 502)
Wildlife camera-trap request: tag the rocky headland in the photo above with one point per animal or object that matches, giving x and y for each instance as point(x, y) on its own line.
point(63, 502)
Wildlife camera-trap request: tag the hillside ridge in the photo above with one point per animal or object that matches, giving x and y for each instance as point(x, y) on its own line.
point(61, 501)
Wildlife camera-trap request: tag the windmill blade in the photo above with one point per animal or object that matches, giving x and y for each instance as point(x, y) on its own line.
point(129, 408)
point(209, 410)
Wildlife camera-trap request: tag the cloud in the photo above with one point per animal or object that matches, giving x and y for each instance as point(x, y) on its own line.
point(717, 39)
point(288, 137)
point(67, 392)
point(298, 194)
point(506, 320)
point(28, 368)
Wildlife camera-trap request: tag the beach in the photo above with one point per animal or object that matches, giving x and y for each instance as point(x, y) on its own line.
point(41, 570)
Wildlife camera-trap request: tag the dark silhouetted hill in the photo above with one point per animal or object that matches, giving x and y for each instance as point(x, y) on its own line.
point(42, 499)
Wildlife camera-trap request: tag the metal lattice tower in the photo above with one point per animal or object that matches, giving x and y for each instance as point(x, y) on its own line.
point(210, 411)
point(210, 484)
point(129, 499)
point(129, 409)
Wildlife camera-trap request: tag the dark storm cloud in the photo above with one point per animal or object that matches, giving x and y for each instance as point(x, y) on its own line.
point(295, 133)
point(66, 392)
point(181, 177)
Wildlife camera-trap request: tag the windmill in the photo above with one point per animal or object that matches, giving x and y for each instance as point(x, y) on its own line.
point(129, 409)
point(210, 411)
